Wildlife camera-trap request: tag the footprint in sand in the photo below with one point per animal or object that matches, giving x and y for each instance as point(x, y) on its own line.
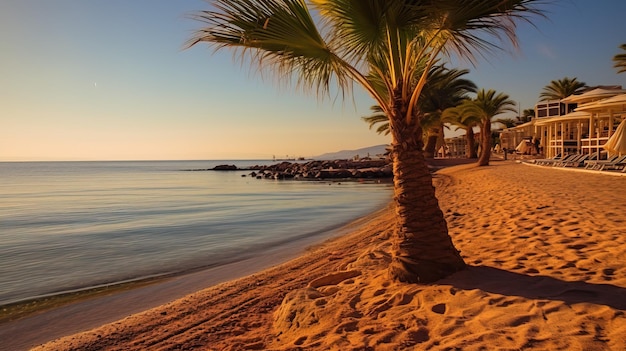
point(351, 326)
point(417, 336)
point(439, 308)
point(334, 278)
point(608, 271)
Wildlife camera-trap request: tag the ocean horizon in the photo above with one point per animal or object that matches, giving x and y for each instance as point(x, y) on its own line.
point(72, 225)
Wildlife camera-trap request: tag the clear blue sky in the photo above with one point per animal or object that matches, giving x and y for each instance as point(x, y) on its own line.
point(110, 80)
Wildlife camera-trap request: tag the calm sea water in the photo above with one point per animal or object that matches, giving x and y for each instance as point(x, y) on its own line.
point(72, 225)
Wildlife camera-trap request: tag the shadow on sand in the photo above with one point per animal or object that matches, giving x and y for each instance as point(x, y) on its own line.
point(498, 281)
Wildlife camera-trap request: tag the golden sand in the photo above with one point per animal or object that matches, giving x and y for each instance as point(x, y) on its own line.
point(546, 251)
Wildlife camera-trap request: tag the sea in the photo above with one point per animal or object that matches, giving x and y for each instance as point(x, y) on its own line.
point(67, 226)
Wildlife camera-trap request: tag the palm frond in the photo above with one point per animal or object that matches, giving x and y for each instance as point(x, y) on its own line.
point(562, 88)
point(490, 103)
point(620, 60)
point(378, 118)
point(469, 27)
point(278, 35)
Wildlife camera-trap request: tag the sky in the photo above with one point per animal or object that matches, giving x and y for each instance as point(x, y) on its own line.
point(112, 80)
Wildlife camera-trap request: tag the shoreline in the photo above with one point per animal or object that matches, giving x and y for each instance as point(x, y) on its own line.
point(29, 314)
point(543, 250)
point(108, 303)
point(20, 308)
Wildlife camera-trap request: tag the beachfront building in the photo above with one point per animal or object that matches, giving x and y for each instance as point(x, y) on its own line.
point(453, 147)
point(581, 123)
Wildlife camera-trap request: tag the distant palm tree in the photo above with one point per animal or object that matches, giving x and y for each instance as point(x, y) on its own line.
point(487, 105)
point(445, 88)
point(620, 60)
point(465, 117)
point(562, 88)
point(527, 115)
point(387, 47)
point(507, 122)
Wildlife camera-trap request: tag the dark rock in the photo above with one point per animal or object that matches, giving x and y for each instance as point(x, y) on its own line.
point(335, 169)
point(225, 168)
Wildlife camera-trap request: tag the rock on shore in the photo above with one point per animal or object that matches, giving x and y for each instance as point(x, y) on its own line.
point(335, 169)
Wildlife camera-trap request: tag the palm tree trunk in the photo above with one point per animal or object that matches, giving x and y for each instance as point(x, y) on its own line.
point(485, 145)
point(431, 143)
point(422, 249)
point(471, 144)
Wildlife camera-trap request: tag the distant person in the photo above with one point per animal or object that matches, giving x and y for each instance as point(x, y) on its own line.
point(536, 143)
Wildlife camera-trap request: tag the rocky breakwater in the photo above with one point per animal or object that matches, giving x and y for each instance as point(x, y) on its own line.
point(320, 170)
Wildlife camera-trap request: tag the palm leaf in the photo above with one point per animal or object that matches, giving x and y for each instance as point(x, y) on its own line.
point(620, 60)
point(276, 35)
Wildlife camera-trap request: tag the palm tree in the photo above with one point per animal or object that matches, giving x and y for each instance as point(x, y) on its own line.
point(620, 60)
point(387, 47)
point(445, 88)
point(507, 122)
point(464, 117)
point(487, 105)
point(527, 115)
point(562, 88)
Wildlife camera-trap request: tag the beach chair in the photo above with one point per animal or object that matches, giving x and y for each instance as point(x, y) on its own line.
point(540, 161)
point(580, 161)
point(610, 161)
point(553, 161)
point(592, 164)
point(569, 157)
point(618, 163)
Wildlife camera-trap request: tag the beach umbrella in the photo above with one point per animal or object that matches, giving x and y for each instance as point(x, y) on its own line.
point(617, 141)
point(522, 147)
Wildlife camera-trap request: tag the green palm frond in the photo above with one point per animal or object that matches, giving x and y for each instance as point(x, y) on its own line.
point(279, 35)
point(620, 60)
point(472, 26)
point(445, 88)
point(386, 46)
point(489, 103)
point(378, 118)
point(562, 88)
point(465, 115)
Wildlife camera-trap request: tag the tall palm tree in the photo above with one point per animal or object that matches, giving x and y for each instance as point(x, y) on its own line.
point(562, 88)
point(486, 106)
point(387, 47)
point(445, 88)
point(620, 60)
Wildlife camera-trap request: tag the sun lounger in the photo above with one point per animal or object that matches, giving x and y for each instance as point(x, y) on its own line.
point(593, 164)
point(619, 163)
point(541, 160)
point(579, 161)
point(552, 161)
point(567, 158)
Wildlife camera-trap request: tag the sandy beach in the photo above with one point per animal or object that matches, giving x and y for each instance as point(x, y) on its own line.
point(545, 250)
